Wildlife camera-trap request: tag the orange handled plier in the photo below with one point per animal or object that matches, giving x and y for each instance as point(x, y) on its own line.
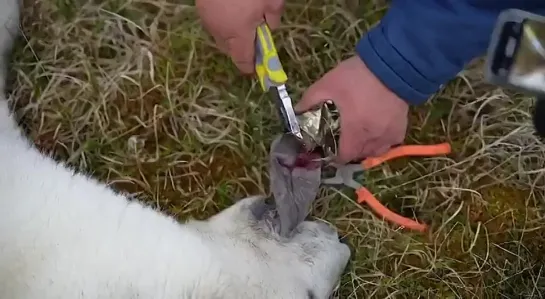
point(345, 176)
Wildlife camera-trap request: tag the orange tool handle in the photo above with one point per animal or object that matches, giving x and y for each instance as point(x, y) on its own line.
point(408, 150)
point(366, 196)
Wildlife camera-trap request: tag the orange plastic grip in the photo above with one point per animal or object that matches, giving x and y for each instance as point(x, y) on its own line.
point(366, 196)
point(406, 151)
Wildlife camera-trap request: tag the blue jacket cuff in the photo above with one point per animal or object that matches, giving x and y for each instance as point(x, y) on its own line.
point(392, 69)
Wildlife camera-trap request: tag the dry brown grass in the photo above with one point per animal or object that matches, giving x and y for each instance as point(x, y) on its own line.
point(134, 92)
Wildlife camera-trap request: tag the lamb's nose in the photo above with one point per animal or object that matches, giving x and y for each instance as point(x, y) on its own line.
point(344, 240)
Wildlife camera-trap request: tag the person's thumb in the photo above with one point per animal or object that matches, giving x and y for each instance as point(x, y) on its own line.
point(273, 19)
point(242, 51)
point(314, 96)
point(273, 13)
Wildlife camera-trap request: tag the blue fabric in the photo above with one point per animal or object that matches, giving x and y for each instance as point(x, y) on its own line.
point(420, 45)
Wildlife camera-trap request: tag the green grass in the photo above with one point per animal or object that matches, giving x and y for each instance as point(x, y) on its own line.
point(135, 93)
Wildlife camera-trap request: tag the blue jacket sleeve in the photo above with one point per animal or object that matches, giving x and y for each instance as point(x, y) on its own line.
point(421, 44)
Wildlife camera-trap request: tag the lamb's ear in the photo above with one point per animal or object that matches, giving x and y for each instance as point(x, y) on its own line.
point(538, 116)
point(295, 189)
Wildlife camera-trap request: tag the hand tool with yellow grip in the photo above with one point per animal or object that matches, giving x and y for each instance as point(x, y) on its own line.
point(272, 79)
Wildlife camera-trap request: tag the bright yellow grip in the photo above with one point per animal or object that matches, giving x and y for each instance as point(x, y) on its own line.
point(268, 67)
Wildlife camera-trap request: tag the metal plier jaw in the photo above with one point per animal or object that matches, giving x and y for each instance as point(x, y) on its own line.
point(344, 175)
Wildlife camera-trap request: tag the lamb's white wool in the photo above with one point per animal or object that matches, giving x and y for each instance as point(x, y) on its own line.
point(65, 235)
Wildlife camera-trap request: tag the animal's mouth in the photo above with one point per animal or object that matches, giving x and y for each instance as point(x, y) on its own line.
point(305, 160)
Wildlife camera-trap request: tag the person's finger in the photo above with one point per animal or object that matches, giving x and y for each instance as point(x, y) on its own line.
point(272, 19)
point(352, 139)
point(348, 149)
point(273, 13)
point(380, 144)
point(275, 6)
point(374, 148)
point(315, 95)
point(242, 51)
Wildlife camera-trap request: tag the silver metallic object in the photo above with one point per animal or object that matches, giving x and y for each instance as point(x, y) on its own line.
point(320, 130)
point(273, 79)
point(516, 53)
point(284, 106)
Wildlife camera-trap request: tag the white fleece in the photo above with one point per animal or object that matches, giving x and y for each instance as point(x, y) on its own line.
point(64, 235)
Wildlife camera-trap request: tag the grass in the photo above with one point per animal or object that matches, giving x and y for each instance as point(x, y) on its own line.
point(135, 93)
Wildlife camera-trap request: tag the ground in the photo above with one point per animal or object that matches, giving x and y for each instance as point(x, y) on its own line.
point(135, 93)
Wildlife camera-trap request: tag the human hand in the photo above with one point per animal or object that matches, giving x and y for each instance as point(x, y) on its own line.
point(233, 24)
point(373, 118)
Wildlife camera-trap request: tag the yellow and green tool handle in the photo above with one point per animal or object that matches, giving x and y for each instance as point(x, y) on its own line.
point(267, 65)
